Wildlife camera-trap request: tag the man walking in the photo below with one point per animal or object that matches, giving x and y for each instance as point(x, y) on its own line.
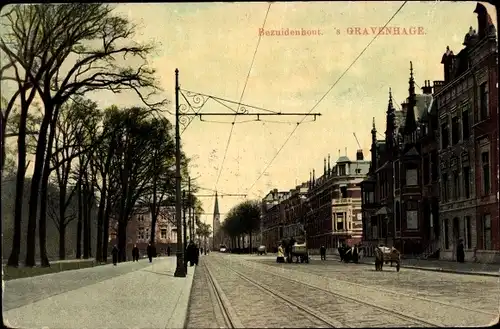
point(114, 252)
point(322, 251)
point(135, 254)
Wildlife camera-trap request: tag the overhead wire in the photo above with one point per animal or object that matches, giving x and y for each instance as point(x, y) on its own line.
point(323, 97)
point(241, 98)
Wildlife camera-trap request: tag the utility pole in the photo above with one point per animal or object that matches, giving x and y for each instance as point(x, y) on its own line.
point(199, 100)
point(184, 228)
point(180, 270)
point(190, 218)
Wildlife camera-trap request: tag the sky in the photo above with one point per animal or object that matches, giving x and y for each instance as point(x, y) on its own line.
point(212, 45)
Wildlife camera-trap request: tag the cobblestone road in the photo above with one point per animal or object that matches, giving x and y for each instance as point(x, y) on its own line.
point(475, 292)
point(355, 295)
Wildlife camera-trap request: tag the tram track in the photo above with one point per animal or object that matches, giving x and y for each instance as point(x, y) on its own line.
point(393, 292)
point(211, 308)
point(331, 311)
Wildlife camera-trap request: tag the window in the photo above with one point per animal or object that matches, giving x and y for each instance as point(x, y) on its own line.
point(444, 187)
point(411, 220)
point(434, 166)
point(340, 221)
point(140, 233)
point(446, 234)
point(467, 233)
point(342, 170)
point(396, 166)
point(426, 169)
point(411, 215)
point(445, 138)
point(485, 163)
point(146, 235)
point(343, 192)
point(456, 185)
point(465, 125)
point(487, 232)
point(369, 197)
point(163, 233)
point(411, 177)
point(455, 130)
point(483, 101)
point(466, 176)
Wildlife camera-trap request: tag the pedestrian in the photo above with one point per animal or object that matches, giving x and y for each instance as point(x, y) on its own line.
point(150, 252)
point(461, 251)
point(168, 250)
point(135, 253)
point(114, 252)
point(191, 253)
point(323, 252)
point(201, 251)
point(281, 255)
point(197, 254)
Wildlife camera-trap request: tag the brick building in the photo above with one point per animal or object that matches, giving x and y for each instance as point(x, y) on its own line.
point(397, 210)
point(272, 218)
point(139, 231)
point(467, 105)
point(334, 204)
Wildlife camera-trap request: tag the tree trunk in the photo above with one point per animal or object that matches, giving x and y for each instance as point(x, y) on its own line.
point(90, 204)
point(79, 224)
point(62, 242)
point(62, 223)
point(154, 213)
point(122, 241)
point(100, 224)
point(105, 236)
point(86, 223)
point(42, 221)
point(35, 187)
point(250, 237)
point(18, 205)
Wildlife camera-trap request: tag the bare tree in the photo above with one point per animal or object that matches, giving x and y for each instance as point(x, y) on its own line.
point(87, 35)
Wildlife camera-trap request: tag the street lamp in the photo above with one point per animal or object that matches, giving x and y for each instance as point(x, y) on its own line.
point(386, 218)
point(305, 201)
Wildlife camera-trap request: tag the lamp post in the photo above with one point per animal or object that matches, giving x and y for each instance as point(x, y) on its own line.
point(184, 228)
point(305, 201)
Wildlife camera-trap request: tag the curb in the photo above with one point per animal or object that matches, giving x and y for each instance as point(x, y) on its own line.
point(178, 318)
point(442, 270)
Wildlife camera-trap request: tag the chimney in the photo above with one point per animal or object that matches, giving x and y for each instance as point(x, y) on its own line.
point(427, 88)
point(438, 85)
point(359, 155)
point(447, 61)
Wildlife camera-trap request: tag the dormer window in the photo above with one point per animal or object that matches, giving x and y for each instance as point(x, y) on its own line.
point(342, 171)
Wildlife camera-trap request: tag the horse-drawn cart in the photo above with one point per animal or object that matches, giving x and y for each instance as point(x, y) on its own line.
point(387, 255)
point(299, 251)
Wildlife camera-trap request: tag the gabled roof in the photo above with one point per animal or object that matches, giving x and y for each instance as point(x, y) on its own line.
point(412, 152)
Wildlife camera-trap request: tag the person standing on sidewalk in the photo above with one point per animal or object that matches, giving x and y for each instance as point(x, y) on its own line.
point(168, 250)
point(114, 252)
point(135, 253)
point(322, 251)
point(150, 252)
point(460, 251)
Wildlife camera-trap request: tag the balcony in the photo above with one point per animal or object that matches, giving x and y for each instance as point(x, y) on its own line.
point(343, 201)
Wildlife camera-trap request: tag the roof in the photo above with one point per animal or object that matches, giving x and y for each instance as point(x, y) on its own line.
point(343, 159)
point(423, 105)
point(412, 152)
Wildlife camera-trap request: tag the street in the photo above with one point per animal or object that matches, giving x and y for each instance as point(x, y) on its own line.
point(256, 291)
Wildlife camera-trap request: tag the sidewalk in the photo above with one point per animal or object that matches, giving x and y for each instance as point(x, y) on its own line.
point(150, 297)
point(445, 266)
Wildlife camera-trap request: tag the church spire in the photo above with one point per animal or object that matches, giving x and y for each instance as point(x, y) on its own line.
point(216, 206)
point(410, 122)
point(373, 149)
point(324, 166)
point(329, 169)
point(390, 122)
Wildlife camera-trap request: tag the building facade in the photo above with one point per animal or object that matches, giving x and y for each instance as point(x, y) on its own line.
point(272, 219)
point(467, 106)
point(139, 230)
point(400, 200)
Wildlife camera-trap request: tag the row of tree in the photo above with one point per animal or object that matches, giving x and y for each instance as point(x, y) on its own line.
point(110, 161)
point(242, 220)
